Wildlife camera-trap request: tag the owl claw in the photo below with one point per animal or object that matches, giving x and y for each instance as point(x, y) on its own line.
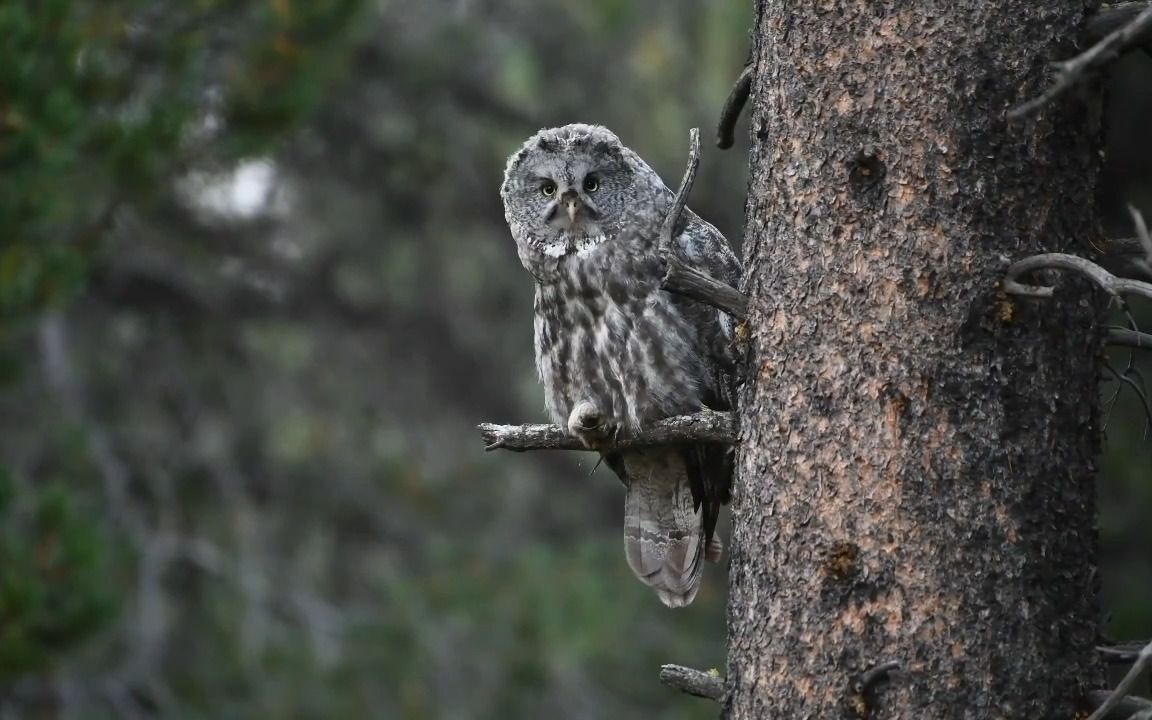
point(715, 550)
point(592, 426)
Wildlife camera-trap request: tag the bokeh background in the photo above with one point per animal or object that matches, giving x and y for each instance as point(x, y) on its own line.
point(256, 293)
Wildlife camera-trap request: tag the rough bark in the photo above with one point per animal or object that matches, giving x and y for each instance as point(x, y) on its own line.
point(916, 470)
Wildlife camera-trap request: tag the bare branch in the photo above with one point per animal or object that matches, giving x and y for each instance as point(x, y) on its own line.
point(874, 676)
point(1123, 337)
point(1126, 652)
point(1070, 72)
point(1128, 708)
point(1111, 17)
point(694, 682)
point(702, 427)
point(733, 106)
point(679, 277)
point(1108, 282)
point(1143, 659)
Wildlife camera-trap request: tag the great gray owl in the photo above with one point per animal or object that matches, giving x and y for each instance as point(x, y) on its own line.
point(614, 351)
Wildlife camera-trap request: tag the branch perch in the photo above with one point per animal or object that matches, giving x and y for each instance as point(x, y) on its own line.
point(679, 277)
point(702, 427)
point(1070, 72)
point(694, 682)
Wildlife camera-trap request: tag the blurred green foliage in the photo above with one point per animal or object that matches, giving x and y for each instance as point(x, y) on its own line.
point(101, 105)
point(55, 582)
point(101, 102)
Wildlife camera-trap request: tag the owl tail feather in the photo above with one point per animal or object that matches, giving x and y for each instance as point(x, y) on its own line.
point(663, 537)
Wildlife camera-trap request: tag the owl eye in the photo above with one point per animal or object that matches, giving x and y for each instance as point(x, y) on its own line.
point(548, 188)
point(591, 184)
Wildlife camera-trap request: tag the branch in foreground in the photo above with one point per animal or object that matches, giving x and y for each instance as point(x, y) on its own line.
point(679, 277)
point(694, 682)
point(1143, 660)
point(702, 427)
point(1072, 71)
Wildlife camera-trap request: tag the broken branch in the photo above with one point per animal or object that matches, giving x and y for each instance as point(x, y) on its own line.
point(679, 277)
point(702, 427)
point(1070, 72)
point(683, 280)
point(694, 682)
point(874, 676)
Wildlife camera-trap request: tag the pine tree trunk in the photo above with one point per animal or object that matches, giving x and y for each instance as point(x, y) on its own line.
point(916, 473)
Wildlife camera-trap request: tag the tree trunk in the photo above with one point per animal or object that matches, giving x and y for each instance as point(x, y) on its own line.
point(918, 449)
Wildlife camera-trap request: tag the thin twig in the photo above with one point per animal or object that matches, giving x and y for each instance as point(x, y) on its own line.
point(694, 682)
point(1108, 282)
point(681, 278)
point(702, 427)
point(1070, 72)
point(1141, 232)
point(1125, 380)
point(1143, 659)
point(733, 106)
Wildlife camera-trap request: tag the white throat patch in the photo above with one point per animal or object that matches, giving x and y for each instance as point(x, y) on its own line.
point(581, 244)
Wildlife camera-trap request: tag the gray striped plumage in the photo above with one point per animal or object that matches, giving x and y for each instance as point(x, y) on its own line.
point(614, 350)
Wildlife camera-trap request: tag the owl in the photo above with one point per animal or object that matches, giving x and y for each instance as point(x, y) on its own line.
point(614, 351)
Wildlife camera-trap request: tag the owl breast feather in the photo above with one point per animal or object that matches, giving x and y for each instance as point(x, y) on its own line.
point(605, 332)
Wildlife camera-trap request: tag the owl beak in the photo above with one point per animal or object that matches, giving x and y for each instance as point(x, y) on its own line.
point(579, 209)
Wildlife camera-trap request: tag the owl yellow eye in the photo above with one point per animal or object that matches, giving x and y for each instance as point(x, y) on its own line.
point(591, 184)
point(548, 189)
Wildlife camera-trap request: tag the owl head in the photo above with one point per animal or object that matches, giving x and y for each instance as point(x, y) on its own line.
point(570, 189)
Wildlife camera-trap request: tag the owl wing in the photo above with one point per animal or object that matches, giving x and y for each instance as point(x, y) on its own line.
point(675, 494)
point(710, 466)
point(707, 250)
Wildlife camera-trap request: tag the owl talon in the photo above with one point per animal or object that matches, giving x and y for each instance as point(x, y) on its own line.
point(591, 425)
point(715, 549)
